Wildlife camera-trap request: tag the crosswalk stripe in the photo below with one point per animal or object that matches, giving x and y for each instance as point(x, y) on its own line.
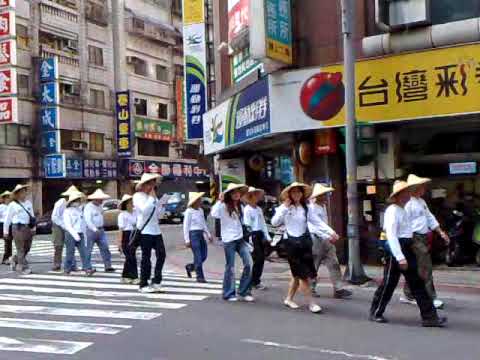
point(97, 313)
point(83, 301)
point(42, 346)
point(97, 293)
point(101, 286)
point(90, 328)
point(111, 280)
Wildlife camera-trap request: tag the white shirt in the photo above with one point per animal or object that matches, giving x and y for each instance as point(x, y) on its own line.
point(420, 216)
point(194, 219)
point(127, 221)
point(318, 221)
point(253, 217)
point(93, 216)
point(3, 212)
point(294, 219)
point(57, 213)
point(17, 215)
point(144, 204)
point(396, 224)
point(74, 222)
point(230, 226)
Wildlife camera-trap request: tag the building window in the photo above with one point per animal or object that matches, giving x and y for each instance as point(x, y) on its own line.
point(96, 143)
point(140, 67)
point(97, 99)
point(95, 55)
point(67, 137)
point(162, 73)
point(191, 151)
point(444, 11)
point(16, 135)
point(23, 85)
point(162, 111)
point(141, 107)
point(23, 40)
point(153, 148)
point(138, 24)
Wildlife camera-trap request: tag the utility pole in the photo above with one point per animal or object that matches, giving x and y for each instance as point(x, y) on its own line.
point(355, 273)
point(118, 30)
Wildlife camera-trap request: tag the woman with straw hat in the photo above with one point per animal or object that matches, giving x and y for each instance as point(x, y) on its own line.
point(293, 213)
point(149, 211)
point(255, 221)
point(58, 228)
point(75, 229)
point(229, 211)
point(324, 238)
point(194, 231)
point(401, 260)
point(4, 201)
point(423, 222)
point(21, 217)
point(127, 221)
point(93, 215)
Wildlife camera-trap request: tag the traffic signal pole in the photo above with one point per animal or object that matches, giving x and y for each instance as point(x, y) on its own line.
point(355, 272)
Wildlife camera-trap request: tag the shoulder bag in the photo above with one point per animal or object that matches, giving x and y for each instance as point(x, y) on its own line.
point(135, 234)
point(32, 222)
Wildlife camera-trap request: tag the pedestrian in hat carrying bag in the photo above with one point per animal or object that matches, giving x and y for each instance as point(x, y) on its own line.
point(401, 260)
point(4, 201)
point(324, 238)
point(127, 222)
point(22, 219)
point(423, 221)
point(93, 214)
point(149, 211)
point(195, 230)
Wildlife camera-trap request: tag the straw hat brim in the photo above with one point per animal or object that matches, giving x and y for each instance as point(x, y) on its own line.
point(123, 203)
point(5, 194)
point(147, 179)
point(195, 198)
point(237, 187)
point(19, 188)
point(307, 190)
point(70, 190)
point(325, 190)
point(417, 181)
point(399, 190)
point(74, 198)
point(250, 193)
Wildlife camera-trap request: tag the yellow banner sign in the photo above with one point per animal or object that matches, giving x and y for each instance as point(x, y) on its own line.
point(193, 12)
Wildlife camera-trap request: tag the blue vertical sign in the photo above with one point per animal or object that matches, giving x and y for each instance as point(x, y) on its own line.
point(54, 166)
point(74, 168)
point(51, 142)
point(48, 70)
point(49, 118)
point(49, 94)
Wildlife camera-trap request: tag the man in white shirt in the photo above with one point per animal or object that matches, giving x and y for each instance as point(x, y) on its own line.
point(149, 211)
point(4, 201)
point(93, 214)
point(401, 260)
point(323, 238)
point(58, 228)
point(423, 222)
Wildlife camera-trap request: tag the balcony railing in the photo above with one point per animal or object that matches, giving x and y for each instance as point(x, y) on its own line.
point(64, 57)
point(57, 10)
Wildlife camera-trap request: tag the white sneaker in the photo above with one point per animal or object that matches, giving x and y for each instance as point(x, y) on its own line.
point(26, 271)
point(126, 281)
point(156, 287)
point(232, 299)
point(438, 304)
point(136, 281)
point(147, 290)
point(291, 304)
point(405, 300)
point(248, 298)
point(314, 308)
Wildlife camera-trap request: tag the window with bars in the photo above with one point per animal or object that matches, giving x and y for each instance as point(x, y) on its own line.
point(162, 73)
point(23, 83)
point(162, 111)
point(68, 136)
point(140, 67)
point(23, 41)
point(140, 106)
point(95, 55)
point(96, 143)
point(97, 98)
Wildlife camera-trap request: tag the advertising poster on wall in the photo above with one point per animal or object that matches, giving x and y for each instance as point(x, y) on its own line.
point(231, 171)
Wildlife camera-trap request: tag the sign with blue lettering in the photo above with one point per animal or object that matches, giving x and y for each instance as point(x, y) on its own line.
point(51, 142)
point(54, 166)
point(49, 94)
point(74, 168)
point(49, 70)
point(49, 117)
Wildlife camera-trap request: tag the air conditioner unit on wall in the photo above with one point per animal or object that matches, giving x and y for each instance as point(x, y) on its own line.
point(387, 160)
point(79, 145)
point(396, 15)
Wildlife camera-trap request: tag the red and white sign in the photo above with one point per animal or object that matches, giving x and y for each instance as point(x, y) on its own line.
point(7, 23)
point(8, 52)
point(7, 3)
point(237, 17)
point(8, 83)
point(8, 110)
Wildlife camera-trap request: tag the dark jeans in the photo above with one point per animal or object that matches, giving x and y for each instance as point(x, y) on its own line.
point(391, 276)
point(8, 243)
point(147, 244)
point(258, 256)
point(200, 252)
point(231, 249)
point(130, 270)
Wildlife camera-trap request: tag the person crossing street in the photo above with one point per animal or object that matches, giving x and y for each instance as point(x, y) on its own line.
point(7, 252)
point(127, 221)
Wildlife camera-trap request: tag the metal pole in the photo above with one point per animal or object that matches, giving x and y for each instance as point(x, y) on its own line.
point(355, 273)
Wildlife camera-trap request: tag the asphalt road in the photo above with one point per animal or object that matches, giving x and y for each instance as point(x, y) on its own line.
point(192, 322)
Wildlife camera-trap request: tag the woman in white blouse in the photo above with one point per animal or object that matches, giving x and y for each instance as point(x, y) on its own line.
point(194, 231)
point(127, 221)
point(4, 201)
point(228, 210)
point(293, 213)
point(75, 228)
point(255, 221)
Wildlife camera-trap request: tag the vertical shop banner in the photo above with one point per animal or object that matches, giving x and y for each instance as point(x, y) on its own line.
point(123, 114)
point(8, 82)
point(54, 166)
point(278, 23)
point(8, 52)
point(180, 100)
point(195, 64)
point(49, 118)
point(7, 23)
point(49, 70)
point(231, 171)
point(51, 142)
point(8, 56)
point(8, 110)
point(238, 14)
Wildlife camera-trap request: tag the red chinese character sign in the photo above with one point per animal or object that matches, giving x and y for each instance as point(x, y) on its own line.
point(7, 23)
point(8, 110)
point(8, 83)
point(7, 3)
point(237, 17)
point(8, 52)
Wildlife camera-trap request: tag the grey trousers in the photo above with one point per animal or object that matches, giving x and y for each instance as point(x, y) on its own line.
point(324, 252)
point(22, 236)
point(58, 243)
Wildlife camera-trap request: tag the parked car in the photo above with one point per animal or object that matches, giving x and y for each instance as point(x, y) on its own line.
point(110, 214)
point(175, 207)
point(44, 224)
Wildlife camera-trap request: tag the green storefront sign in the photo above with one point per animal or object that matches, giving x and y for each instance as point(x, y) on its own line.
point(153, 129)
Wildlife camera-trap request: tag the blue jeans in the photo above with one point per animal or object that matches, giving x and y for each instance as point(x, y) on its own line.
point(70, 245)
point(200, 252)
point(230, 248)
point(100, 239)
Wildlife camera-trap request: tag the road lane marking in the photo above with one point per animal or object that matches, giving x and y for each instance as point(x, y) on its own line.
point(89, 328)
point(42, 346)
point(314, 349)
point(98, 313)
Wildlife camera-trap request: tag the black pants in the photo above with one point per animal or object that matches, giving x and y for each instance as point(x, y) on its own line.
point(147, 244)
point(391, 276)
point(258, 257)
point(7, 244)
point(130, 270)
